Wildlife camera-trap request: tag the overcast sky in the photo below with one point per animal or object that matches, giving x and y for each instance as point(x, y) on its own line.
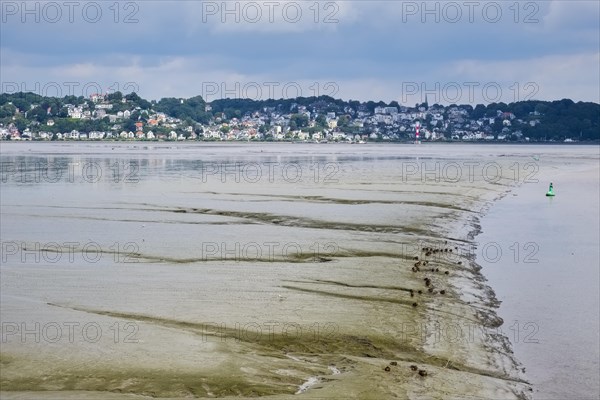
point(451, 51)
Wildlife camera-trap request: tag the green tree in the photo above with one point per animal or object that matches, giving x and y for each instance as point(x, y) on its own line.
point(129, 125)
point(264, 128)
point(321, 120)
point(21, 123)
point(38, 114)
point(114, 97)
point(298, 121)
point(343, 121)
point(7, 110)
point(478, 111)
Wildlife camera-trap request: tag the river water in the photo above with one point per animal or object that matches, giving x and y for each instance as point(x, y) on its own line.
point(541, 256)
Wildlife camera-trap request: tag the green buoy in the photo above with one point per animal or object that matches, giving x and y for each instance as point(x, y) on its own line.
point(550, 192)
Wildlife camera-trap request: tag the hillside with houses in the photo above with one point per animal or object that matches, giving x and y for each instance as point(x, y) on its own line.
point(115, 116)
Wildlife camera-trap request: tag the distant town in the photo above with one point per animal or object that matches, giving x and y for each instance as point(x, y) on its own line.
point(116, 116)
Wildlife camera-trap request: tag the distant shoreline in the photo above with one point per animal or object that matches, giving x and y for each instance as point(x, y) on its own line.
point(237, 142)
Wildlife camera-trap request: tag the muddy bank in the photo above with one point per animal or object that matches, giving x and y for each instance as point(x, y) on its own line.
point(395, 307)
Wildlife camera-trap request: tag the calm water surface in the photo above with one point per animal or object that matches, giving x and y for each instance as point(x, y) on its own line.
point(542, 260)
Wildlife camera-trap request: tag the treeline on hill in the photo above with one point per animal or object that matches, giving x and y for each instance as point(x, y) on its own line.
point(321, 104)
point(581, 120)
point(557, 119)
point(192, 108)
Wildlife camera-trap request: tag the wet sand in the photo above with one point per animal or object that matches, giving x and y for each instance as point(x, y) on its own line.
point(323, 319)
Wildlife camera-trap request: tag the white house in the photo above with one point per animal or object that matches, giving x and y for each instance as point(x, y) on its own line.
point(75, 112)
point(72, 135)
point(96, 135)
point(303, 135)
point(339, 136)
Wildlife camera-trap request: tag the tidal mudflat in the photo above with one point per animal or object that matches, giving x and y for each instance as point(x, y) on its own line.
point(321, 271)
